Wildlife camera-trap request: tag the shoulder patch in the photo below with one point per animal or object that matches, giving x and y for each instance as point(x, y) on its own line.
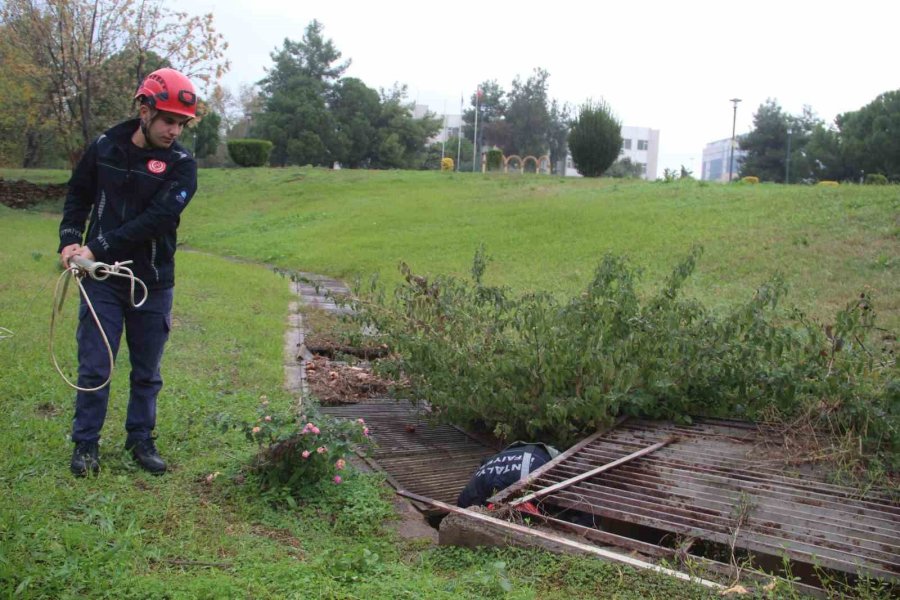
point(156, 166)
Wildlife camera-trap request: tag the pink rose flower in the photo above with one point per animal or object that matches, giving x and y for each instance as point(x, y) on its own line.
point(305, 454)
point(337, 479)
point(256, 430)
point(321, 449)
point(340, 464)
point(366, 431)
point(267, 418)
point(316, 430)
point(360, 421)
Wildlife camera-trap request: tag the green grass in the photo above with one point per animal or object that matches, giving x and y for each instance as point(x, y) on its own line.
point(126, 534)
point(548, 233)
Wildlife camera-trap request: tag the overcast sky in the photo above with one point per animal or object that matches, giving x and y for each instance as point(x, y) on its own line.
point(670, 65)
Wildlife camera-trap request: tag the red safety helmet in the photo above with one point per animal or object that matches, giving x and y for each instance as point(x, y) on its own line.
point(168, 90)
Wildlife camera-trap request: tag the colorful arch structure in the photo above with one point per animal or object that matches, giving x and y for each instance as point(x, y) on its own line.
point(541, 164)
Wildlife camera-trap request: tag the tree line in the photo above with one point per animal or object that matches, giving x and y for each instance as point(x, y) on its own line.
point(801, 148)
point(314, 115)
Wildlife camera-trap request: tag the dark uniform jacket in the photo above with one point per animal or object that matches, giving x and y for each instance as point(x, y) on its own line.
point(501, 471)
point(134, 198)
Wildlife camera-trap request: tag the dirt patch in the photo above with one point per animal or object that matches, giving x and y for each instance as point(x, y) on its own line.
point(334, 382)
point(22, 194)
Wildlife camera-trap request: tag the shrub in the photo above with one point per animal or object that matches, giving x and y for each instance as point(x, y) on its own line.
point(875, 179)
point(750, 179)
point(250, 152)
point(298, 453)
point(446, 164)
point(595, 139)
point(537, 367)
point(827, 183)
point(494, 160)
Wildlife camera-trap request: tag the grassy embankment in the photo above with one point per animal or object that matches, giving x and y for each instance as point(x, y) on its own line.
point(549, 233)
point(125, 534)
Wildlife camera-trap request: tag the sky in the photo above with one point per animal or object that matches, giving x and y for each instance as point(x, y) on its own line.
point(669, 65)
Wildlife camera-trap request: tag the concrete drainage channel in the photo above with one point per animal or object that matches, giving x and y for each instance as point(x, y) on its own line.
point(653, 490)
point(411, 453)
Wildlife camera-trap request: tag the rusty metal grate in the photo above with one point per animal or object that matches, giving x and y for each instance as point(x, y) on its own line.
point(725, 482)
point(435, 461)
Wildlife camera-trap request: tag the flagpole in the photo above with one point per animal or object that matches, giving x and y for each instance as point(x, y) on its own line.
point(475, 137)
point(444, 133)
point(459, 133)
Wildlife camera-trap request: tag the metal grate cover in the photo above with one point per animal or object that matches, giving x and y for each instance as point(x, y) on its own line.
point(435, 461)
point(725, 482)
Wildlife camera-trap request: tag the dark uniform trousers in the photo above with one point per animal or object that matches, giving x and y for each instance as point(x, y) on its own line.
point(146, 331)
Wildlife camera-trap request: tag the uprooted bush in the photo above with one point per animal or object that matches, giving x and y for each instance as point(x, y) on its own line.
point(532, 366)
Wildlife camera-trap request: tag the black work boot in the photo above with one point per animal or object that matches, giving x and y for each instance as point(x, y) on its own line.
point(146, 455)
point(85, 459)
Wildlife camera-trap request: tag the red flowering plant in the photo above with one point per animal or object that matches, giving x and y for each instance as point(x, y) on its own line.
point(298, 452)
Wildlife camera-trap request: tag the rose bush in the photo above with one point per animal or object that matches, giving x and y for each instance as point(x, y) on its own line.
point(298, 452)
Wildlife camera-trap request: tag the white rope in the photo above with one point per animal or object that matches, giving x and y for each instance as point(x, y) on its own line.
point(99, 272)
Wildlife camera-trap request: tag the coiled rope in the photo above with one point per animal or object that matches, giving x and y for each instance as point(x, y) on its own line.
point(78, 269)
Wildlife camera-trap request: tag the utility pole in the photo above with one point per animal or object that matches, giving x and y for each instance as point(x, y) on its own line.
point(734, 101)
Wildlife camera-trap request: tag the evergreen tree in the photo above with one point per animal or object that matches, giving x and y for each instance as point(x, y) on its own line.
point(595, 139)
point(871, 137)
point(206, 135)
point(296, 116)
point(767, 145)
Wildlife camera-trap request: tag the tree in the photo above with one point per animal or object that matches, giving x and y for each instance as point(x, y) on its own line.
point(295, 91)
point(26, 124)
point(595, 139)
point(528, 115)
point(356, 109)
point(558, 136)
point(79, 46)
point(401, 138)
point(491, 106)
point(206, 135)
point(826, 155)
point(767, 144)
point(871, 136)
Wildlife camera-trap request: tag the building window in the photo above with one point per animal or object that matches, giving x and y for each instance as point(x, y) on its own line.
point(626, 144)
point(643, 168)
point(643, 144)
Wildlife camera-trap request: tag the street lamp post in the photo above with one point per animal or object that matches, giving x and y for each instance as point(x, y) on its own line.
point(787, 161)
point(734, 101)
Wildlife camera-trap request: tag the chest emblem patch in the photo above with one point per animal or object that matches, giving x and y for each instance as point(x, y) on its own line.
point(156, 166)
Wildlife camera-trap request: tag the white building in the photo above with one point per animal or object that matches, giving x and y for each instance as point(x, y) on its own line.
point(640, 144)
point(450, 124)
point(716, 158)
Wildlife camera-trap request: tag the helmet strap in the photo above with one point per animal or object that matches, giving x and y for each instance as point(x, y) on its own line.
point(145, 125)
